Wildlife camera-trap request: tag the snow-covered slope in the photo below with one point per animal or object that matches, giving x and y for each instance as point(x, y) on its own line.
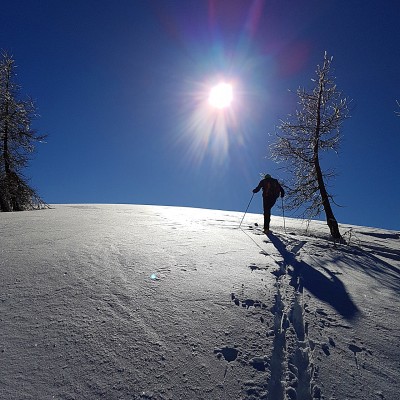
point(149, 302)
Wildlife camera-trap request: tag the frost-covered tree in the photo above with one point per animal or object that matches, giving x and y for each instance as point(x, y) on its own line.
point(17, 140)
point(312, 129)
point(398, 112)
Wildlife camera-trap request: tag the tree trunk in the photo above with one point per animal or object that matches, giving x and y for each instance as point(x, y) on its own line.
point(330, 218)
point(5, 196)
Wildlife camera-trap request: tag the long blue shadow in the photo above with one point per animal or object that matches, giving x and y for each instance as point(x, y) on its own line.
point(329, 290)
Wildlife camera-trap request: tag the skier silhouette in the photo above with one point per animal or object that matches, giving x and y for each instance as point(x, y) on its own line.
point(271, 190)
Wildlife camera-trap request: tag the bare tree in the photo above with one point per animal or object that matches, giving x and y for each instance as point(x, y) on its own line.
point(314, 128)
point(17, 140)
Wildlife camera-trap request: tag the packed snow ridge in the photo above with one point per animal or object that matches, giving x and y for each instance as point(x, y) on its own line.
point(151, 302)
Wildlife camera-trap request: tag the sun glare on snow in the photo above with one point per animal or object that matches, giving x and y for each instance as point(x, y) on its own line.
point(221, 96)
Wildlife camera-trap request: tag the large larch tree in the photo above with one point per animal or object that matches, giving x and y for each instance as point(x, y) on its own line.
point(312, 129)
point(17, 140)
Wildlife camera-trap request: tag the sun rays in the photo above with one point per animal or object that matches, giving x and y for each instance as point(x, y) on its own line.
point(211, 125)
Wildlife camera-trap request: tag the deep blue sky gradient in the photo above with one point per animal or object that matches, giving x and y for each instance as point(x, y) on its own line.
point(121, 87)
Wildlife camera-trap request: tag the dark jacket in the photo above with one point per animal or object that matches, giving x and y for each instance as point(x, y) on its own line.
point(271, 188)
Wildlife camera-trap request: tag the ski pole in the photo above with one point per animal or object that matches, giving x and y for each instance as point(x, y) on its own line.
point(283, 213)
point(246, 210)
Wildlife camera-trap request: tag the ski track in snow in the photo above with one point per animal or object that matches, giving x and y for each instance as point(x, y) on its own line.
point(151, 302)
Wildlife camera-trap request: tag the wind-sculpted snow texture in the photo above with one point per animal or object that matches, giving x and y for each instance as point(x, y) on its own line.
point(150, 302)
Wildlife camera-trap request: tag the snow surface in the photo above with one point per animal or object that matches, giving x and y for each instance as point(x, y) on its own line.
point(150, 302)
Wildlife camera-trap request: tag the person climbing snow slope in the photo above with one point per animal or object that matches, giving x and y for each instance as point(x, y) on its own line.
point(271, 190)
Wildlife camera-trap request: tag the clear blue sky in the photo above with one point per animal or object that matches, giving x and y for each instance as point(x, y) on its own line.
point(121, 87)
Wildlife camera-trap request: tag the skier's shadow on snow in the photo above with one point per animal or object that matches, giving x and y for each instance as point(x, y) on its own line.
point(330, 290)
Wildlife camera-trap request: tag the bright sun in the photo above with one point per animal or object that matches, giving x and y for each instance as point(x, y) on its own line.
point(221, 95)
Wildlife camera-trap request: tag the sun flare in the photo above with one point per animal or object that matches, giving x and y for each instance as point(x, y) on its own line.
point(221, 95)
point(213, 124)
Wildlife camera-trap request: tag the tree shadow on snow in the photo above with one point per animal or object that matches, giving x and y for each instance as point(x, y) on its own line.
point(330, 289)
point(382, 271)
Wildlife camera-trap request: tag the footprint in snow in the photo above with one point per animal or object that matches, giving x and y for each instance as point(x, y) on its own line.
point(325, 348)
point(355, 349)
point(229, 353)
point(255, 267)
point(248, 302)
